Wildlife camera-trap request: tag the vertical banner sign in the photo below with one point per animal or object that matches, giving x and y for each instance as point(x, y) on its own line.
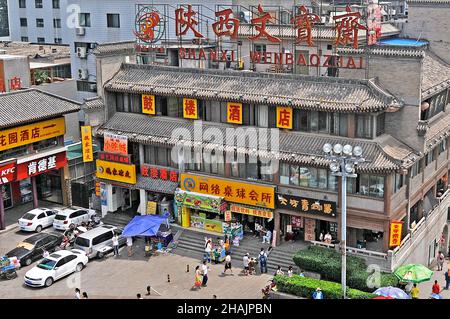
point(310, 225)
point(284, 117)
point(151, 208)
point(86, 137)
point(234, 113)
point(190, 110)
point(228, 215)
point(97, 189)
point(117, 144)
point(148, 104)
point(103, 194)
point(395, 236)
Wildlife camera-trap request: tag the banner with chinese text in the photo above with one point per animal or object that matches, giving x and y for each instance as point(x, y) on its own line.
point(306, 205)
point(234, 112)
point(310, 227)
point(27, 134)
point(233, 191)
point(148, 104)
point(86, 138)
point(395, 235)
point(284, 117)
point(190, 110)
point(117, 144)
point(125, 173)
point(158, 172)
point(41, 165)
point(251, 211)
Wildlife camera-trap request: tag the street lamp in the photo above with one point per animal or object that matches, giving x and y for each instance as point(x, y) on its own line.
point(343, 159)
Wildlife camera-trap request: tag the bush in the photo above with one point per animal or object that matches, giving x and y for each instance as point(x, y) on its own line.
point(305, 287)
point(327, 262)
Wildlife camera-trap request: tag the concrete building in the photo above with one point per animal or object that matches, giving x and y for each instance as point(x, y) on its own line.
point(4, 21)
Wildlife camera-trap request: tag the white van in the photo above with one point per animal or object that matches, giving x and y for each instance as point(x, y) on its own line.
point(98, 241)
point(72, 217)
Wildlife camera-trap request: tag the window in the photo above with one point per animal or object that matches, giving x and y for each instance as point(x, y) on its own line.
point(85, 19)
point(380, 124)
point(22, 3)
point(113, 20)
point(23, 22)
point(429, 158)
point(323, 122)
point(24, 39)
point(368, 185)
point(41, 216)
point(39, 23)
point(294, 176)
point(364, 126)
point(416, 168)
point(55, 4)
point(398, 182)
point(41, 40)
point(443, 146)
point(58, 41)
point(260, 49)
point(57, 23)
point(102, 238)
point(307, 177)
point(38, 4)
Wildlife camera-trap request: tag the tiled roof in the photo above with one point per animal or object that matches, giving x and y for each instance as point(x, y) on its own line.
point(296, 147)
point(94, 103)
point(114, 48)
point(385, 50)
point(307, 92)
point(318, 32)
point(32, 105)
point(436, 75)
point(437, 131)
point(147, 183)
point(431, 2)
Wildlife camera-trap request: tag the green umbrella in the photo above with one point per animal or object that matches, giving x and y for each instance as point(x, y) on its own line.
point(414, 273)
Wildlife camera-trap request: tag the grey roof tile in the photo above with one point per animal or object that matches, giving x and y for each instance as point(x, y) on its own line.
point(114, 48)
point(94, 103)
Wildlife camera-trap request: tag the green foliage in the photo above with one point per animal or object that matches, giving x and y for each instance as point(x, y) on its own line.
point(305, 287)
point(327, 262)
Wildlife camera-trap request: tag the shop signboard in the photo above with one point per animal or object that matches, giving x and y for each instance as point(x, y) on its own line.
point(124, 173)
point(234, 113)
point(233, 191)
point(251, 211)
point(228, 216)
point(97, 189)
point(158, 172)
point(41, 165)
point(306, 205)
point(118, 158)
point(28, 134)
point(114, 143)
point(86, 138)
point(148, 104)
point(7, 172)
point(310, 226)
point(395, 235)
point(284, 117)
point(297, 222)
point(197, 201)
point(190, 110)
point(151, 208)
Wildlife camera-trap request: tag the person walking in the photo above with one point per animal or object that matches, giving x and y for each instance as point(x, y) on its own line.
point(198, 278)
point(447, 279)
point(251, 266)
point(262, 261)
point(130, 246)
point(85, 296)
point(77, 293)
point(115, 242)
point(436, 289)
point(440, 260)
point(318, 294)
point(245, 261)
point(415, 292)
point(139, 296)
point(227, 264)
point(205, 270)
point(208, 249)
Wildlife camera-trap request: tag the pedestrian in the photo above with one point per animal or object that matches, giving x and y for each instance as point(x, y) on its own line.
point(130, 246)
point(415, 292)
point(251, 266)
point(279, 271)
point(115, 242)
point(198, 278)
point(46, 253)
point(440, 260)
point(139, 296)
point(214, 297)
point(318, 294)
point(321, 236)
point(208, 249)
point(85, 296)
point(262, 260)
point(245, 261)
point(205, 270)
point(148, 290)
point(436, 289)
point(77, 293)
point(328, 238)
point(290, 271)
point(447, 279)
point(228, 264)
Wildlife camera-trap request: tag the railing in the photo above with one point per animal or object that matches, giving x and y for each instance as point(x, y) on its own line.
point(353, 251)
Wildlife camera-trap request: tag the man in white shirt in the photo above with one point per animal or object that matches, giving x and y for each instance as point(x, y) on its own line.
point(130, 246)
point(205, 270)
point(245, 260)
point(115, 242)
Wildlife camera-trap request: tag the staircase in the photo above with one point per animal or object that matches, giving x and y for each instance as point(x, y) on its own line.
point(191, 244)
point(117, 219)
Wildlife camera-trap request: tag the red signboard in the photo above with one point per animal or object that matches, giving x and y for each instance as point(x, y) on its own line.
point(7, 172)
point(159, 173)
point(41, 165)
point(118, 158)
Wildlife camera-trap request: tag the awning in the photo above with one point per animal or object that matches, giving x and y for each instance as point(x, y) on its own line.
point(145, 225)
point(198, 201)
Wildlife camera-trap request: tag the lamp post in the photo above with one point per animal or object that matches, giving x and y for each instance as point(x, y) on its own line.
point(343, 159)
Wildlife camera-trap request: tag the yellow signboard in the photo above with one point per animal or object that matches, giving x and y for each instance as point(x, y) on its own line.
point(251, 211)
point(234, 113)
point(284, 117)
point(233, 191)
point(119, 172)
point(86, 138)
point(148, 104)
point(151, 208)
point(27, 134)
point(395, 236)
point(190, 110)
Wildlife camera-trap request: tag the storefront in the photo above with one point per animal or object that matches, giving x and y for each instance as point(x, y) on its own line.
point(305, 219)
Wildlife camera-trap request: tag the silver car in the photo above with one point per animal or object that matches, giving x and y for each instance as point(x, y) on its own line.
point(98, 241)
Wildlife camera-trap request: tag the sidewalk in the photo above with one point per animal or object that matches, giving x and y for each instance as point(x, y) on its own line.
point(425, 287)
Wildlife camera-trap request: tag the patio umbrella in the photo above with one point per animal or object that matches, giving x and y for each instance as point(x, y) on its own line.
point(392, 292)
point(414, 273)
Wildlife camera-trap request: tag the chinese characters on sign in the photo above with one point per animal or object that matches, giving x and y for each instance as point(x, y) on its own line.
point(260, 24)
point(15, 84)
point(227, 216)
point(304, 22)
point(118, 158)
point(125, 173)
point(185, 21)
point(24, 135)
point(306, 205)
point(395, 236)
point(284, 117)
point(86, 140)
point(234, 113)
point(238, 192)
point(157, 172)
point(41, 165)
point(148, 104)
point(347, 27)
point(310, 226)
point(114, 143)
point(226, 25)
point(190, 109)
point(251, 211)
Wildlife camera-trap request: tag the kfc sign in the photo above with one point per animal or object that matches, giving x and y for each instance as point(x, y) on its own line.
point(41, 165)
point(7, 173)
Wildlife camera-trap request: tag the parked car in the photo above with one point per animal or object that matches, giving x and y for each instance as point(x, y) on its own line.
point(32, 248)
point(55, 267)
point(37, 219)
point(98, 241)
point(72, 217)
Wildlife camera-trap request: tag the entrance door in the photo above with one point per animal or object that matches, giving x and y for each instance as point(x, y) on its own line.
point(49, 187)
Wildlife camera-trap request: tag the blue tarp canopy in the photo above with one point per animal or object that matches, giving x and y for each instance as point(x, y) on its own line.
point(145, 225)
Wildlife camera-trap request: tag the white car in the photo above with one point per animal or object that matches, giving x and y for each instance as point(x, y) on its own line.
point(37, 219)
point(72, 217)
point(56, 266)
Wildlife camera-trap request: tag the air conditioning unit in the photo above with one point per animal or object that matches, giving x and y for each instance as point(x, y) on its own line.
point(83, 74)
point(81, 52)
point(80, 31)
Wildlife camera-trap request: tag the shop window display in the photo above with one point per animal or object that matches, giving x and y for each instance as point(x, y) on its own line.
point(7, 198)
